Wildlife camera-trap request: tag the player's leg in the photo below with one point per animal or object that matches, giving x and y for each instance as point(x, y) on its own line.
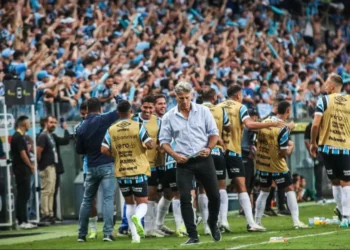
point(343, 174)
point(265, 184)
point(268, 209)
point(150, 218)
point(236, 170)
point(163, 207)
point(284, 180)
point(164, 202)
point(140, 193)
point(203, 207)
point(331, 170)
point(220, 167)
point(130, 209)
point(124, 225)
point(170, 178)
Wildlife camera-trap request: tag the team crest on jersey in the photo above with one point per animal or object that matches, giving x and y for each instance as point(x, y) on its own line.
point(340, 99)
point(228, 104)
point(123, 124)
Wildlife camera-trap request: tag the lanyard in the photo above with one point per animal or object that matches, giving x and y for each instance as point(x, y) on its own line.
point(53, 143)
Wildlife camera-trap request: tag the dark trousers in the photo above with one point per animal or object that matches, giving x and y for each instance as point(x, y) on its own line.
point(23, 195)
point(249, 171)
point(318, 171)
point(58, 182)
point(203, 170)
point(280, 198)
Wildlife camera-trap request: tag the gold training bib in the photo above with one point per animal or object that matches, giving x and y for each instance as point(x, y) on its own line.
point(335, 126)
point(267, 151)
point(234, 138)
point(218, 114)
point(127, 149)
point(152, 130)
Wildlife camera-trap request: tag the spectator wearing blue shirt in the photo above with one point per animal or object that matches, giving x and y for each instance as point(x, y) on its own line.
point(106, 93)
point(100, 168)
point(248, 95)
point(6, 57)
point(19, 67)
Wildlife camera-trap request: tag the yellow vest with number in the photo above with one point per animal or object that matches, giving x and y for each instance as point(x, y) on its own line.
point(152, 129)
point(218, 114)
point(267, 151)
point(127, 149)
point(335, 126)
point(234, 138)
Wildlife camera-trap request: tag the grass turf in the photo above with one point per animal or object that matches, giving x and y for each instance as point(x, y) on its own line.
point(318, 237)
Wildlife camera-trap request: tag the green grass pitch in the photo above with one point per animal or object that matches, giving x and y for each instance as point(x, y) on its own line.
point(318, 237)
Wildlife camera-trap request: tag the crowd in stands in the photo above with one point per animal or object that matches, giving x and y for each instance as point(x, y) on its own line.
point(76, 49)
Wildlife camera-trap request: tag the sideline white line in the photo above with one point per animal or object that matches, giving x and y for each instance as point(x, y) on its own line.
point(290, 238)
point(248, 235)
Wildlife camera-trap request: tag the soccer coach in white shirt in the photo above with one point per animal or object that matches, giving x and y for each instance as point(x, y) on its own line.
point(194, 130)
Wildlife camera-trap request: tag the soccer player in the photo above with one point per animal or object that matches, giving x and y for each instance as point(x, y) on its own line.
point(152, 125)
point(238, 115)
point(332, 125)
point(165, 200)
point(124, 142)
point(93, 214)
point(169, 182)
point(210, 97)
point(273, 146)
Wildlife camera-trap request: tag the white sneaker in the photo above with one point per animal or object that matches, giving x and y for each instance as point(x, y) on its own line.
point(23, 226)
point(30, 225)
point(26, 226)
point(255, 228)
point(300, 225)
point(136, 239)
point(207, 230)
point(154, 233)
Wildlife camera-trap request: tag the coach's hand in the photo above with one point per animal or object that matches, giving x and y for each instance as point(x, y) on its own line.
point(179, 158)
point(205, 152)
point(313, 150)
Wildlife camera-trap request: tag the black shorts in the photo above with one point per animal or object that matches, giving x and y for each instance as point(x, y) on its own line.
point(234, 165)
point(219, 162)
point(153, 180)
point(169, 179)
point(282, 180)
point(133, 188)
point(161, 173)
point(337, 166)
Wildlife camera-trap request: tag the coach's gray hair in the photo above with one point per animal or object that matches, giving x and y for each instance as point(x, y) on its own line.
point(183, 87)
